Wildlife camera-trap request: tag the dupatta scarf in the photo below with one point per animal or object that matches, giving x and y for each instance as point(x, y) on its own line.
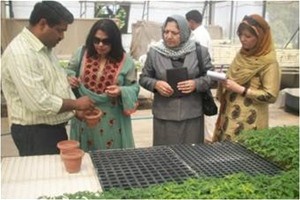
point(247, 63)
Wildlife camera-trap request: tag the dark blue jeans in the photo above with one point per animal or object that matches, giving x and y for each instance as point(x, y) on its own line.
point(38, 139)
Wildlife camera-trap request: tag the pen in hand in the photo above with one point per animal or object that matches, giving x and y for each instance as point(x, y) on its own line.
point(221, 68)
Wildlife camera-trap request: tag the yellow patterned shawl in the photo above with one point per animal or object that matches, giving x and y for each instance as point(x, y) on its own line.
point(247, 63)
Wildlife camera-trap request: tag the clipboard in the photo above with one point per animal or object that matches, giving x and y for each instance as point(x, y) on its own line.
point(174, 76)
point(216, 75)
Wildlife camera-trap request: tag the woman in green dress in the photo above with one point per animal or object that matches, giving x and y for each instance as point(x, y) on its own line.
point(107, 75)
point(253, 82)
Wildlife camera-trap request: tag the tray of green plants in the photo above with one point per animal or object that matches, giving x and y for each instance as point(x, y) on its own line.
point(279, 145)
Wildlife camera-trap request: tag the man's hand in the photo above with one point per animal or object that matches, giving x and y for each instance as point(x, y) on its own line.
point(84, 103)
point(79, 115)
point(73, 81)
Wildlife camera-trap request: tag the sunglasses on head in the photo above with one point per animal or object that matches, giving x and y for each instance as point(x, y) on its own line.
point(251, 21)
point(105, 41)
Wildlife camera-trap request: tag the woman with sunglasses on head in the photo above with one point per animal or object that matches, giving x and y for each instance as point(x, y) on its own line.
point(253, 81)
point(107, 75)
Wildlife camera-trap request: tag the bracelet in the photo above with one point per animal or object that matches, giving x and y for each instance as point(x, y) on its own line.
point(245, 91)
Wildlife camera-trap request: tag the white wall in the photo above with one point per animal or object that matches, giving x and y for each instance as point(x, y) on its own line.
point(158, 11)
point(22, 9)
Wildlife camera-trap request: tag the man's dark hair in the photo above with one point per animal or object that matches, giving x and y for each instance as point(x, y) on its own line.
point(194, 15)
point(54, 12)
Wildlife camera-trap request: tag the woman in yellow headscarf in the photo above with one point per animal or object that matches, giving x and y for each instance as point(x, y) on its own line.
point(253, 81)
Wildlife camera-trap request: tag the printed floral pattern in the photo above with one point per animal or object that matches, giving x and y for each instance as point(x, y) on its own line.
point(97, 83)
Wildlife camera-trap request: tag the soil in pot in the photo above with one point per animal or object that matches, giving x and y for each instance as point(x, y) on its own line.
point(72, 159)
point(67, 145)
point(92, 117)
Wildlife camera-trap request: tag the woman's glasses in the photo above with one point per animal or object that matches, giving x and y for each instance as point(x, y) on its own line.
point(105, 41)
point(251, 21)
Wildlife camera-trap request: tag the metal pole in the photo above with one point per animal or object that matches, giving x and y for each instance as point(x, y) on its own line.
point(145, 10)
point(264, 9)
point(285, 46)
point(144, 6)
point(11, 12)
point(210, 13)
point(231, 20)
point(3, 9)
point(204, 8)
point(148, 2)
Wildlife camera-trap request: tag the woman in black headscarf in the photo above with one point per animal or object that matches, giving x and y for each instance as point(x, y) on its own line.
point(177, 111)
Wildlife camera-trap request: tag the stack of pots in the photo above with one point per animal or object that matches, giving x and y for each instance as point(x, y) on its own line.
point(71, 155)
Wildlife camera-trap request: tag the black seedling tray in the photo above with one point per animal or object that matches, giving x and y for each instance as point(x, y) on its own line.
point(143, 167)
point(221, 159)
point(139, 167)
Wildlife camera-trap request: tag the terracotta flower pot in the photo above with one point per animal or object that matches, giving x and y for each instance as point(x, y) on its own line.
point(67, 145)
point(92, 117)
point(72, 159)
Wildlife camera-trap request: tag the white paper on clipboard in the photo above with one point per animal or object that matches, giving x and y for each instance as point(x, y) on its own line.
point(216, 75)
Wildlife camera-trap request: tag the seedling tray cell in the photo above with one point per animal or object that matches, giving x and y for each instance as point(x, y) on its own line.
point(224, 158)
point(139, 167)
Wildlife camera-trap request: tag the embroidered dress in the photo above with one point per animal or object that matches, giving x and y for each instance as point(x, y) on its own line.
point(251, 112)
point(257, 69)
point(114, 129)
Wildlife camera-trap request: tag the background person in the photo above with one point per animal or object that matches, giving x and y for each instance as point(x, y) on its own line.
point(253, 81)
point(108, 76)
point(176, 120)
point(38, 95)
point(199, 32)
point(201, 35)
